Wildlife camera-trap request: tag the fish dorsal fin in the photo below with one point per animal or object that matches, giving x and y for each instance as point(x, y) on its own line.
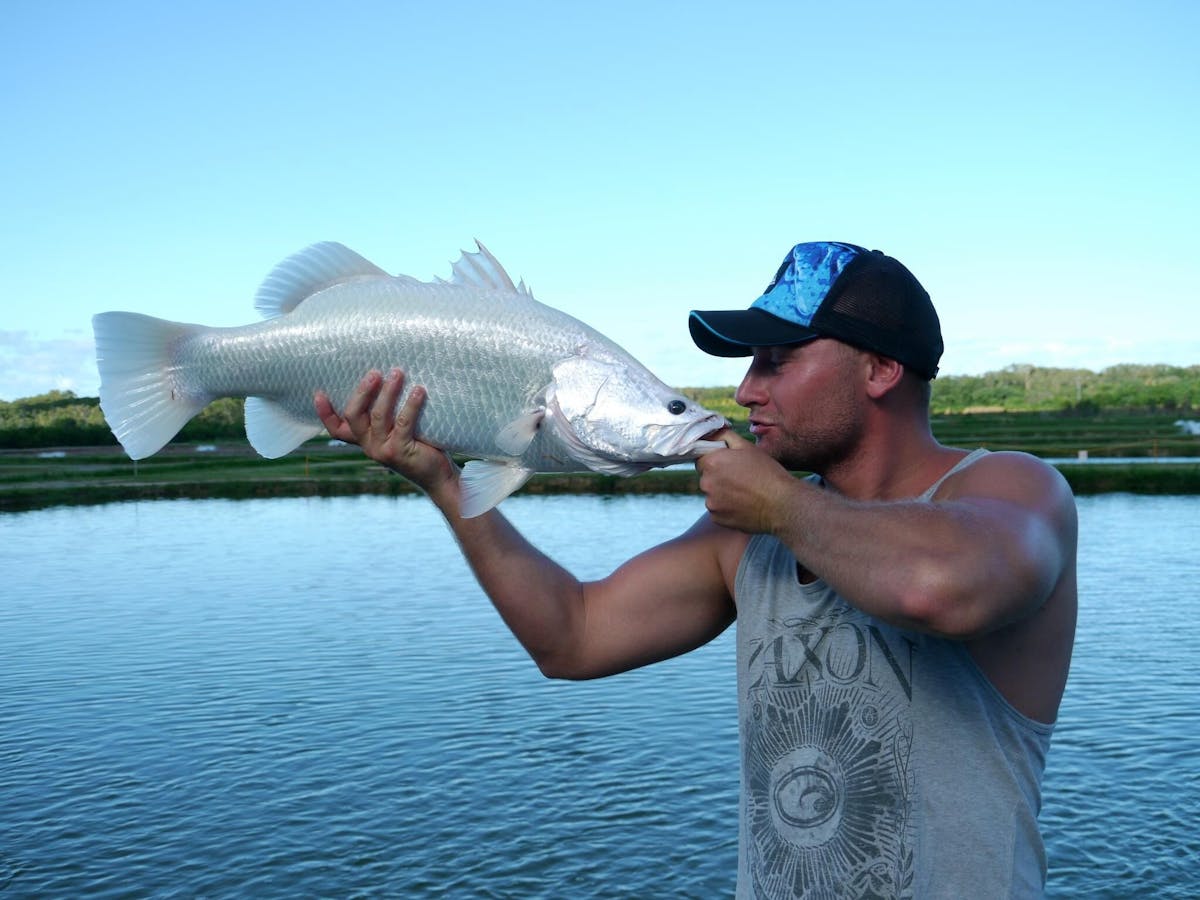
point(482, 270)
point(303, 274)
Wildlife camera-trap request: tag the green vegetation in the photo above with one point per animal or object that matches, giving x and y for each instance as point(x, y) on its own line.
point(57, 449)
point(60, 419)
point(1025, 388)
point(1107, 433)
point(32, 480)
point(1122, 411)
point(1032, 388)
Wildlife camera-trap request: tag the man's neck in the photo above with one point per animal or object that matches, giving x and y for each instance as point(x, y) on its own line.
point(893, 467)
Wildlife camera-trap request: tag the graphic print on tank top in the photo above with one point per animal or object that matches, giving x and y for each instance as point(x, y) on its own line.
point(827, 757)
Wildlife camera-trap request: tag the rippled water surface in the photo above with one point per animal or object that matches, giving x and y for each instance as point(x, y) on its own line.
point(312, 697)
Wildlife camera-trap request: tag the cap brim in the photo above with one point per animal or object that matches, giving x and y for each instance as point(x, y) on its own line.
point(737, 332)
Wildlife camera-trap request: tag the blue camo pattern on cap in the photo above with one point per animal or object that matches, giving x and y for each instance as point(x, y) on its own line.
point(806, 276)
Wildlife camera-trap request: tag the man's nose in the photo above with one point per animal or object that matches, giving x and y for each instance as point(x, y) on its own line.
point(749, 392)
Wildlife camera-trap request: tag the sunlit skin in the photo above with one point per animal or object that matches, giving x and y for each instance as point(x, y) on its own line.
point(801, 404)
point(990, 561)
point(853, 417)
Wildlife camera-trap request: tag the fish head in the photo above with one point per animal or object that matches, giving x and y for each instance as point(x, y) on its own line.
point(615, 416)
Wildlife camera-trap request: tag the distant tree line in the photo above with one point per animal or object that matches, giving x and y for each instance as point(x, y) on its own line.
point(1027, 388)
point(1034, 388)
point(61, 419)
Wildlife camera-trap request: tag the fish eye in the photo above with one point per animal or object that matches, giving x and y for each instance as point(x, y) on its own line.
point(676, 407)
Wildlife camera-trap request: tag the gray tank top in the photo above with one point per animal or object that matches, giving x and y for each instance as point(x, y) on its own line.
point(876, 762)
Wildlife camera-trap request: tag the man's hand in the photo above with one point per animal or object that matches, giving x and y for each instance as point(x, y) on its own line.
point(744, 487)
point(367, 420)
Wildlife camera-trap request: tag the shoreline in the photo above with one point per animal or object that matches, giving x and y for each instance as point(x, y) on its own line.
point(53, 477)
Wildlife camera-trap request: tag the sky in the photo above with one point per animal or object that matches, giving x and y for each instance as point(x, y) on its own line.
point(1033, 163)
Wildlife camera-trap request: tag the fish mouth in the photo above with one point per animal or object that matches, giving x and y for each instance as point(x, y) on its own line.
point(629, 452)
point(681, 444)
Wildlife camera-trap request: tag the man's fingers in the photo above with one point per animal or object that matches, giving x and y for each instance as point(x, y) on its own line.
point(369, 417)
point(325, 411)
point(732, 439)
point(334, 423)
point(729, 438)
point(384, 404)
point(361, 398)
point(406, 417)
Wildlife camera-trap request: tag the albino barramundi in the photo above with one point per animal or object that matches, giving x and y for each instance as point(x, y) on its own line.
point(512, 383)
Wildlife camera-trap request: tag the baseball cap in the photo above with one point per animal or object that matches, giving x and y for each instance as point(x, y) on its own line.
point(832, 289)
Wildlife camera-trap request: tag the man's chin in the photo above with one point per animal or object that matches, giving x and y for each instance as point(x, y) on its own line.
point(785, 456)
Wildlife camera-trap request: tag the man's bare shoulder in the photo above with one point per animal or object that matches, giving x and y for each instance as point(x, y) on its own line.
point(1028, 659)
point(1011, 476)
point(725, 545)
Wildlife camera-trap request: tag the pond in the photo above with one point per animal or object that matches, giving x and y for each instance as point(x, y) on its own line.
point(312, 697)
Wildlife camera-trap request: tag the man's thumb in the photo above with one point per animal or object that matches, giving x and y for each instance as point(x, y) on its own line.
point(732, 439)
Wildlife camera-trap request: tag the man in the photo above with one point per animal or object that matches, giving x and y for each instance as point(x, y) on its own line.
point(905, 615)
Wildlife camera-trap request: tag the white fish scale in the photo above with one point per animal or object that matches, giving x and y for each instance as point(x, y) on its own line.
point(505, 374)
point(484, 358)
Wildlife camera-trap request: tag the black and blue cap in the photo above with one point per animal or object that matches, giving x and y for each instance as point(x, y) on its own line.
point(831, 289)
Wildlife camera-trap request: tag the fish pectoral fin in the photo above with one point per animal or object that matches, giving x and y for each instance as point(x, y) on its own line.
point(303, 274)
point(486, 483)
point(515, 437)
point(274, 431)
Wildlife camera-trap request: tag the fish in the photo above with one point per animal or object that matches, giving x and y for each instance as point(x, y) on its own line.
point(513, 385)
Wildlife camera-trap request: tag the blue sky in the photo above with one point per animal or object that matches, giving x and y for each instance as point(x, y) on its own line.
point(1034, 163)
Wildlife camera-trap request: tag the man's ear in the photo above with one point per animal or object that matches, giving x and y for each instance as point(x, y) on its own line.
point(883, 376)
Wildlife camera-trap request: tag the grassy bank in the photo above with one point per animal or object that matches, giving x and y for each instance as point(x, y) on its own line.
point(33, 479)
point(37, 479)
point(1102, 434)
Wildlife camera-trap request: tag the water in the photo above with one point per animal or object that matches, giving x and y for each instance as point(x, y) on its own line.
point(1121, 804)
point(312, 698)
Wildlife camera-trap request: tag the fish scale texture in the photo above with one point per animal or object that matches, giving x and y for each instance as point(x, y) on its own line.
point(518, 386)
point(485, 359)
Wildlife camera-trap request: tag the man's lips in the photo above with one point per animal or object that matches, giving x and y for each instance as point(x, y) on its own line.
point(758, 427)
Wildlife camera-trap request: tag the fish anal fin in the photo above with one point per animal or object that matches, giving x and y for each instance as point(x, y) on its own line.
point(305, 273)
point(515, 437)
point(486, 483)
point(273, 431)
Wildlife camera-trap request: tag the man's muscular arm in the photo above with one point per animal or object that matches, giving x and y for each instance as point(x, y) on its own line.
point(661, 603)
point(988, 551)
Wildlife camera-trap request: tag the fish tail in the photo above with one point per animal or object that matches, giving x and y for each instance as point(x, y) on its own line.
point(142, 391)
